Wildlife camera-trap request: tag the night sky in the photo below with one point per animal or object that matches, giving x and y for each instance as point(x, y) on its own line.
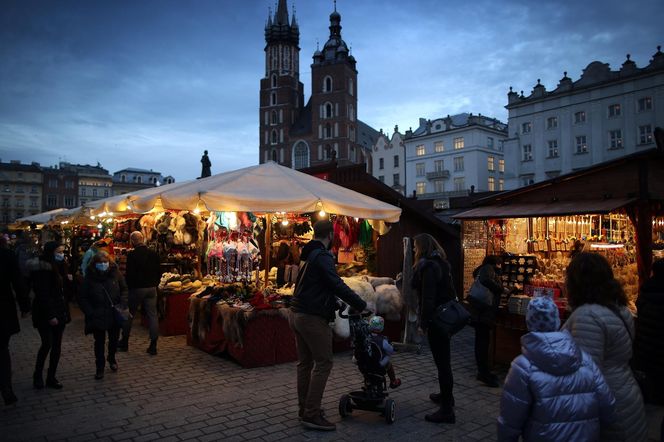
point(151, 84)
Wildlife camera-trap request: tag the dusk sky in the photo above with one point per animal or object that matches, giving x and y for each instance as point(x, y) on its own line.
point(151, 84)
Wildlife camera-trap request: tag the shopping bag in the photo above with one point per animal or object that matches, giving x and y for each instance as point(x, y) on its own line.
point(479, 295)
point(451, 317)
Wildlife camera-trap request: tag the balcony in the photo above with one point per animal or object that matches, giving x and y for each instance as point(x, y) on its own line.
point(444, 174)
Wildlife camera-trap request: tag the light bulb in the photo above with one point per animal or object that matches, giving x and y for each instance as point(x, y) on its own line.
point(284, 222)
point(99, 226)
point(92, 217)
point(321, 213)
point(197, 210)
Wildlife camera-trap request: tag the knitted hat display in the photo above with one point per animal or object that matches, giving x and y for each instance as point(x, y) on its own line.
point(376, 324)
point(542, 315)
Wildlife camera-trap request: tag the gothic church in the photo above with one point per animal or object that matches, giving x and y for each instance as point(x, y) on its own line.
point(326, 128)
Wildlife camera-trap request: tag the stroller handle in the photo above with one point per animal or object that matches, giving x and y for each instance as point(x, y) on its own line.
point(354, 313)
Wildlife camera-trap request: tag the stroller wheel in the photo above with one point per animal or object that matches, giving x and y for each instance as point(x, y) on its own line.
point(390, 411)
point(345, 407)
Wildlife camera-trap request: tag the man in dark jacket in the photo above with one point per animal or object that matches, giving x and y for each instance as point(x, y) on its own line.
point(10, 282)
point(313, 308)
point(143, 275)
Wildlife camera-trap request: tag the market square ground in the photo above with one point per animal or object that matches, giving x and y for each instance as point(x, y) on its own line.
point(186, 394)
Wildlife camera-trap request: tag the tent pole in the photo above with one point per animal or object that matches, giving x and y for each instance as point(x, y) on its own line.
point(268, 245)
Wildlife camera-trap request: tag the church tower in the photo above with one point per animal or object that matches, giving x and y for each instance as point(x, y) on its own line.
point(334, 98)
point(281, 92)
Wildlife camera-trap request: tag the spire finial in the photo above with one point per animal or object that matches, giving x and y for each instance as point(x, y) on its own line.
point(317, 45)
point(510, 89)
point(628, 56)
point(565, 73)
point(538, 81)
point(659, 48)
point(335, 5)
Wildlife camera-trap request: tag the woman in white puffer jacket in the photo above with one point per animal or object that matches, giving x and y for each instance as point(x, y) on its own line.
point(602, 326)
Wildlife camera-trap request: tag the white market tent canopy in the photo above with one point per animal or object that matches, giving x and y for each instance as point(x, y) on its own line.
point(266, 188)
point(40, 218)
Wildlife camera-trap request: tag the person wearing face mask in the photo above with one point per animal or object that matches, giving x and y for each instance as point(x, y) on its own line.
point(49, 312)
point(103, 287)
point(313, 308)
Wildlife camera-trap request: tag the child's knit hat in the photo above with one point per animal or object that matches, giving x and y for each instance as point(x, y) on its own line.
point(542, 315)
point(376, 324)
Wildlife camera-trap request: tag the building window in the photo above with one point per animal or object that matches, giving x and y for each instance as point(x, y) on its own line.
point(274, 117)
point(459, 184)
point(615, 139)
point(527, 180)
point(33, 189)
point(105, 192)
point(301, 156)
point(579, 117)
point(274, 156)
point(381, 178)
point(53, 183)
point(501, 184)
point(439, 186)
point(552, 122)
point(396, 161)
point(395, 179)
point(458, 143)
point(123, 178)
point(33, 202)
point(275, 137)
point(490, 164)
point(274, 80)
point(94, 192)
point(492, 184)
point(644, 104)
point(5, 202)
point(438, 165)
point(421, 188)
point(139, 180)
point(490, 142)
point(69, 202)
point(526, 127)
point(419, 150)
point(458, 164)
point(83, 192)
point(273, 98)
point(327, 84)
point(527, 152)
point(645, 134)
point(350, 87)
point(52, 200)
point(328, 131)
point(419, 169)
point(19, 189)
point(438, 146)
point(381, 163)
point(6, 188)
point(501, 165)
point(328, 110)
point(553, 148)
point(614, 110)
point(581, 144)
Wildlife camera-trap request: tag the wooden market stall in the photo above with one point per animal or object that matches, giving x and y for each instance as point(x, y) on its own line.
point(613, 208)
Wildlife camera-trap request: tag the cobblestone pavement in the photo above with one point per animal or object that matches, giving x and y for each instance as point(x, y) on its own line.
point(185, 394)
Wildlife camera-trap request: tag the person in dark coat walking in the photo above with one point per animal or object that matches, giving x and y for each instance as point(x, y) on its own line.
point(484, 317)
point(143, 275)
point(433, 281)
point(49, 311)
point(11, 281)
point(649, 341)
point(103, 287)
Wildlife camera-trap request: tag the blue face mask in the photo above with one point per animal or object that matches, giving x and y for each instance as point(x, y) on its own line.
point(59, 256)
point(102, 266)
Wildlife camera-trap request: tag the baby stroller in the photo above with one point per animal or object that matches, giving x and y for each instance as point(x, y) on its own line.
point(374, 395)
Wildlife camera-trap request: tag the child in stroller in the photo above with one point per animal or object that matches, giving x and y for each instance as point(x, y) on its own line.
point(384, 349)
point(370, 351)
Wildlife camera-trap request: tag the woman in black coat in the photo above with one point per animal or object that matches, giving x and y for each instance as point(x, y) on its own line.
point(484, 317)
point(103, 287)
point(11, 281)
point(648, 344)
point(49, 311)
point(433, 281)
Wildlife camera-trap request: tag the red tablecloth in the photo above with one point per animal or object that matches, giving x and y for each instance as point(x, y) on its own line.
point(175, 320)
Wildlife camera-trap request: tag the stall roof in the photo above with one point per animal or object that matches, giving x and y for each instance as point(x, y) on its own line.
point(555, 208)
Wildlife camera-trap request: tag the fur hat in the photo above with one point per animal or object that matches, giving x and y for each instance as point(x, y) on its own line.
point(376, 324)
point(542, 315)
